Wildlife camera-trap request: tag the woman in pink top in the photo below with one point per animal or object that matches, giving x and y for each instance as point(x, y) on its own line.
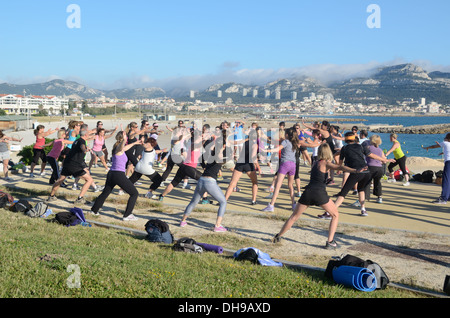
point(97, 147)
point(53, 155)
point(38, 148)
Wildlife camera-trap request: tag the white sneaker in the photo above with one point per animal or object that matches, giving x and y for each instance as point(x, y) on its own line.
point(391, 180)
point(131, 217)
point(150, 195)
point(406, 184)
point(42, 174)
point(121, 192)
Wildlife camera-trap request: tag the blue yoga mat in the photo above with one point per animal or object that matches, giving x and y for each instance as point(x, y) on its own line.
point(358, 277)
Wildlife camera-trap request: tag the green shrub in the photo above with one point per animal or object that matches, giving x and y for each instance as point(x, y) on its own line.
point(26, 154)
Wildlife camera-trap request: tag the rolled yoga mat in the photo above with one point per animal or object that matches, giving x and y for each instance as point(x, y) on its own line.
point(358, 277)
point(211, 248)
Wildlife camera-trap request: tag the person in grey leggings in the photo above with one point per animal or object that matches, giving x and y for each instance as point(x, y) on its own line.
point(208, 183)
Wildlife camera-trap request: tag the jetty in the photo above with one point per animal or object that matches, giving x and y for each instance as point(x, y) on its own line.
point(424, 129)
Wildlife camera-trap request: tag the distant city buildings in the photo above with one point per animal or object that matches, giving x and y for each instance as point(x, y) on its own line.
point(22, 105)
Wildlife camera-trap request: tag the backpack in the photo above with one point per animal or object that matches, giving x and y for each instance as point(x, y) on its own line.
point(158, 231)
point(350, 260)
point(21, 206)
point(5, 199)
point(188, 245)
point(39, 209)
point(427, 176)
point(66, 218)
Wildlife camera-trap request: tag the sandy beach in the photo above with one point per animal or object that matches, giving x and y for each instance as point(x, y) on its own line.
point(406, 234)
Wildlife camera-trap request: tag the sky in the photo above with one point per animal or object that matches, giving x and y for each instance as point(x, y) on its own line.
point(178, 43)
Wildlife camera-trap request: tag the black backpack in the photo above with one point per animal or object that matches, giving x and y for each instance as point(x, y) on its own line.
point(66, 218)
point(350, 260)
point(21, 206)
point(188, 245)
point(158, 231)
point(248, 255)
point(427, 176)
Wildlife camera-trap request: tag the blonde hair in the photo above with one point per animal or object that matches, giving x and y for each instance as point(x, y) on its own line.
point(324, 152)
point(394, 136)
point(61, 133)
point(375, 140)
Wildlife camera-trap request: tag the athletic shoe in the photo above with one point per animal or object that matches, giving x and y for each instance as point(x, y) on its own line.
point(219, 178)
point(183, 224)
point(364, 212)
point(331, 245)
point(253, 202)
point(51, 198)
point(32, 175)
point(42, 174)
point(276, 238)
point(161, 197)
point(269, 189)
point(355, 192)
point(324, 216)
point(356, 203)
point(379, 200)
point(82, 200)
point(150, 195)
point(439, 201)
point(391, 180)
point(269, 196)
point(121, 192)
point(237, 189)
point(131, 217)
point(94, 213)
point(406, 184)
point(137, 183)
point(299, 194)
point(220, 228)
point(7, 179)
point(187, 186)
point(99, 188)
point(293, 206)
point(75, 187)
point(205, 201)
point(268, 208)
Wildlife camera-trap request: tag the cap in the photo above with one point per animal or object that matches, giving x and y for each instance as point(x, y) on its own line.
point(154, 136)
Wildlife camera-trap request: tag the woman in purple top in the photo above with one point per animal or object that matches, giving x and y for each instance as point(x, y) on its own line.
point(116, 176)
point(376, 168)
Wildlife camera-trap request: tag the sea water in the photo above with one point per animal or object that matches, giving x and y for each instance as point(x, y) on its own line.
point(411, 143)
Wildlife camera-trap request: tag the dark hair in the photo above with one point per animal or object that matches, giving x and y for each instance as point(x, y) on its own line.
point(363, 132)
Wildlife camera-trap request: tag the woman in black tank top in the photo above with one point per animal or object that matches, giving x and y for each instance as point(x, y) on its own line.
point(315, 194)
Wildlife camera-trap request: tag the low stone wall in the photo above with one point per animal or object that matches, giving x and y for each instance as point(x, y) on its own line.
point(426, 129)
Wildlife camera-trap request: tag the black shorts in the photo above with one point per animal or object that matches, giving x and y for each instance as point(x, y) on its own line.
point(314, 196)
point(244, 167)
point(72, 171)
point(39, 153)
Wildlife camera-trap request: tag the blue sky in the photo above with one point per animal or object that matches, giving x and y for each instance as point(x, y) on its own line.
point(139, 43)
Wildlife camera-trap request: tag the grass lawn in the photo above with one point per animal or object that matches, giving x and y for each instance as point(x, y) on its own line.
point(41, 259)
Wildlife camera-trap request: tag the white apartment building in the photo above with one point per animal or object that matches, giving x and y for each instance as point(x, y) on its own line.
point(19, 104)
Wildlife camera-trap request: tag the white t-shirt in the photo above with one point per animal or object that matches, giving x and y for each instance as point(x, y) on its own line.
point(446, 148)
point(145, 165)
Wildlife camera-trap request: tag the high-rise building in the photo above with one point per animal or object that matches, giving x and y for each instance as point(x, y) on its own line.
point(255, 93)
point(219, 93)
point(244, 92)
point(294, 95)
point(266, 93)
point(192, 94)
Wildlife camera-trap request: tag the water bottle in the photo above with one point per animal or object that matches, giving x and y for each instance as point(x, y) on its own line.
point(86, 224)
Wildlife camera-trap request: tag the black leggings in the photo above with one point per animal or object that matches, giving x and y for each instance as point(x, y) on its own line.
point(55, 174)
point(154, 177)
point(183, 172)
point(361, 178)
point(376, 173)
point(119, 178)
point(402, 164)
point(171, 161)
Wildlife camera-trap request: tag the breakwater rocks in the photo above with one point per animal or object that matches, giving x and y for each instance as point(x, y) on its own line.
point(424, 129)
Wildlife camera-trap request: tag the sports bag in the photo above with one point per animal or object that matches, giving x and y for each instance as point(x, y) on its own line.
point(5, 199)
point(21, 206)
point(188, 245)
point(66, 218)
point(39, 209)
point(158, 231)
point(255, 256)
point(427, 176)
point(350, 260)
